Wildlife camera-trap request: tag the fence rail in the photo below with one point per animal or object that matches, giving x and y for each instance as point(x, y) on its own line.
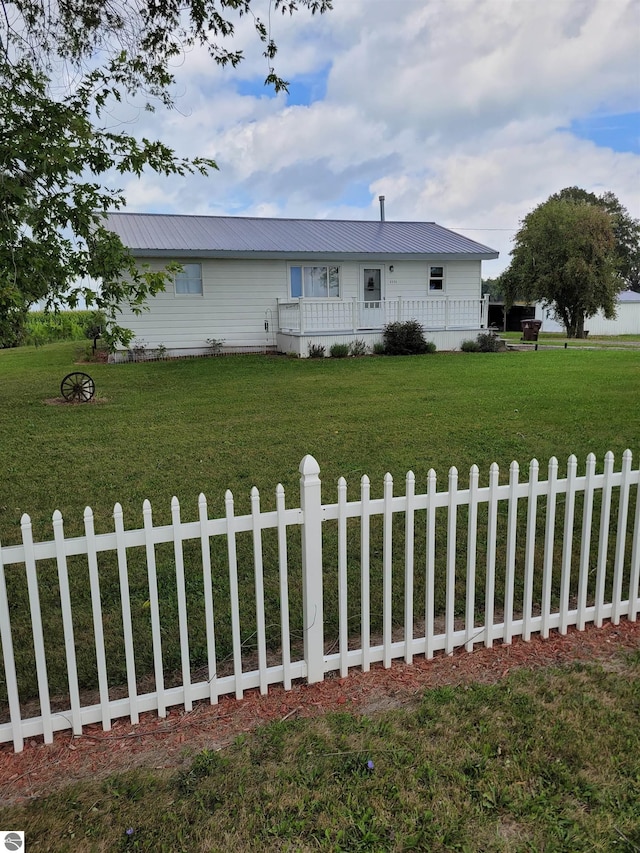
point(579, 536)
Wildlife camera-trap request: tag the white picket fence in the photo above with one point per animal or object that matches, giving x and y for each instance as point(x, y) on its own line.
point(609, 548)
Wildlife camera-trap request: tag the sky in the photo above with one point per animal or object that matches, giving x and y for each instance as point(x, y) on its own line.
point(468, 113)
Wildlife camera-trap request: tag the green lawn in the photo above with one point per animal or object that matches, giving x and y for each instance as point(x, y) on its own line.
point(544, 760)
point(538, 762)
point(182, 427)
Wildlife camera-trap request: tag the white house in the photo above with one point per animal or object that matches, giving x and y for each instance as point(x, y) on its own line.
point(627, 321)
point(284, 284)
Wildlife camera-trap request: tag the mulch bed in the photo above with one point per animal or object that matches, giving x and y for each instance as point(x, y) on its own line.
point(170, 742)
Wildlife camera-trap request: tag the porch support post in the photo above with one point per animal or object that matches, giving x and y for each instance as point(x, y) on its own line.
point(312, 604)
point(354, 313)
point(446, 312)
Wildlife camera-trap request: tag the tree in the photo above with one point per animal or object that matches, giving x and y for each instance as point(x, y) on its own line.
point(625, 228)
point(565, 256)
point(63, 66)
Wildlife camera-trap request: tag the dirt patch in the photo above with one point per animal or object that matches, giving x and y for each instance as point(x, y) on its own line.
point(170, 742)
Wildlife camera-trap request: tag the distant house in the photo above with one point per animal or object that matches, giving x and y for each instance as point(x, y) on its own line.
point(285, 284)
point(627, 321)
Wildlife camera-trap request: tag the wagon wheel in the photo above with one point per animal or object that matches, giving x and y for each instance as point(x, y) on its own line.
point(77, 388)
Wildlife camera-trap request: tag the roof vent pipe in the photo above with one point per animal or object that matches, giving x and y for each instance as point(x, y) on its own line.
point(381, 200)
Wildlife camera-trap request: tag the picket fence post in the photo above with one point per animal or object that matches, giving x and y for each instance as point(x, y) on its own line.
point(313, 616)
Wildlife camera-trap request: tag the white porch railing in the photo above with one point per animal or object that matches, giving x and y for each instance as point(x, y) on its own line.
point(311, 316)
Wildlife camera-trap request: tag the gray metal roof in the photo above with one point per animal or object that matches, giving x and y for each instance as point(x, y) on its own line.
point(171, 235)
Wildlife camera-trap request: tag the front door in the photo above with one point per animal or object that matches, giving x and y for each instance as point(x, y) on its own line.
point(371, 310)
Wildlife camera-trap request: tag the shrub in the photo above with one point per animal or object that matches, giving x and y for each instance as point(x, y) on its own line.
point(316, 351)
point(215, 345)
point(489, 343)
point(358, 347)
point(404, 338)
point(378, 348)
point(485, 342)
point(470, 346)
point(339, 350)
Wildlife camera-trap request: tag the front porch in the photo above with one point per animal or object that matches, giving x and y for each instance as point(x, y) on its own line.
point(446, 321)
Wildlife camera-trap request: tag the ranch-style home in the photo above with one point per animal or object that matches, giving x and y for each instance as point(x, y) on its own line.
point(260, 285)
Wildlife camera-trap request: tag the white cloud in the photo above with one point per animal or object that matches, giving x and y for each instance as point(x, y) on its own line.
point(453, 110)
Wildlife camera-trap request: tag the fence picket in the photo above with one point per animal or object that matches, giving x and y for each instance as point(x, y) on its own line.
point(285, 634)
point(178, 556)
point(529, 560)
point(233, 594)
point(623, 509)
point(13, 697)
point(510, 567)
point(387, 570)
point(409, 526)
point(450, 589)
point(549, 539)
point(492, 528)
point(96, 610)
point(429, 609)
point(591, 605)
point(567, 542)
point(365, 573)
point(343, 613)
point(207, 585)
point(634, 571)
point(472, 536)
point(258, 574)
point(67, 622)
point(585, 545)
point(603, 538)
point(154, 607)
point(36, 627)
point(125, 601)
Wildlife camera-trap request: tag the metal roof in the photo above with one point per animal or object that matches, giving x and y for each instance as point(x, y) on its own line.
point(172, 235)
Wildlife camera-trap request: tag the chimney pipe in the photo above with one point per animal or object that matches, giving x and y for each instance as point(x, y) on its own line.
point(381, 200)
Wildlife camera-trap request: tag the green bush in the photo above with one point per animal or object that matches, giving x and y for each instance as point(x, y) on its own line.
point(339, 350)
point(316, 351)
point(470, 346)
point(378, 348)
point(490, 343)
point(405, 338)
point(358, 347)
point(485, 342)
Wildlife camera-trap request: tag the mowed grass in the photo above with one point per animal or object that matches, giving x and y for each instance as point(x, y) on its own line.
point(184, 427)
point(541, 761)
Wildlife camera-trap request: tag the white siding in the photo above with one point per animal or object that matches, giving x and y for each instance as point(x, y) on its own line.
point(627, 321)
point(241, 296)
point(238, 298)
point(410, 280)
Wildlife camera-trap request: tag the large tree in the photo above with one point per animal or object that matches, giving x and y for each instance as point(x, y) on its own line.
point(625, 228)
point(63, 67)
point(565, 256)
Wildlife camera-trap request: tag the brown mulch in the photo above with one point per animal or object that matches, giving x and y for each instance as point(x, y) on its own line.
point(169, 743)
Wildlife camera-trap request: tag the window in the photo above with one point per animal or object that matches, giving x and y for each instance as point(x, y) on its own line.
point(318, 281)
point(436, 278)
point(189, 281)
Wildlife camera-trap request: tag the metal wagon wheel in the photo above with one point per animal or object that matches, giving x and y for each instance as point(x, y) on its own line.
point(77, 387)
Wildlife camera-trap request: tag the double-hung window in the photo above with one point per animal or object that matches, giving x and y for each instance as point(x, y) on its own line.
point(436, 279)
point(314, 281)
point(189, 281)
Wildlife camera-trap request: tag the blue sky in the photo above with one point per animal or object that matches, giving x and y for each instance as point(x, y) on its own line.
point(466, 112)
